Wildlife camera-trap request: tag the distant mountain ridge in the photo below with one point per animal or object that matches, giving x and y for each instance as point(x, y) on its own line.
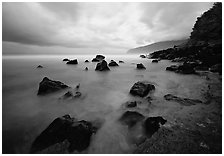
point(157, 46)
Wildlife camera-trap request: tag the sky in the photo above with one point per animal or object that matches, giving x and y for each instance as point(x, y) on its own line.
point(69, 27)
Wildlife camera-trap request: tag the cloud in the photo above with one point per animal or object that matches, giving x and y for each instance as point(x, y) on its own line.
point(98, 25)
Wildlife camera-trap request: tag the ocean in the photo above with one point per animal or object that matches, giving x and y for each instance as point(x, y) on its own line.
point(25, 115)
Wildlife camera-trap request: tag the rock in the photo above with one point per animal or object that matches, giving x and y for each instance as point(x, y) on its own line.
point(131, 104)
point(86, 68)
point(40, 66)
point(216, 68)
point(186, 69)
point(95, 60)
point(182, 101)
point(201, 68)
point(140, 66)
point(68, 94)
point(77, 94)
point(130, 118)
point(113, 63)
point(86, 61)
point(78, 133)
point(154, 61)
point(72, 62)
point(121, 61)
point(66, 59)
point(141, 88)
point(142, 56)
point(102, 66)
point(100, 57)
point(152, 124)
point(172, 68)
point(48, 86)
point(77, 87)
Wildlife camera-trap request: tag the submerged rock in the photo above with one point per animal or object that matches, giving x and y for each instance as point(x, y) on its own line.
point(130, 118)
point(66, 59)
point(141, 88)
point(39, 66)
point(140, 66)
point(102, 66)
point(86, 61)
point(48, 86)
point(75, 61)
point(155, 61)
point(68, 94)
point(152, 124)
point(121, 61)
point(77, 94)
point(182, 101)
point(113, 63)
point(131, 104)
point(78, 133)
point(142, 56)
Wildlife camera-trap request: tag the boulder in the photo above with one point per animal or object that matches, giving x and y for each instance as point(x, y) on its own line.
point(95, 60)
point(102, 66)
point(75, 61)
point(86, 68)
point(131, 104)
point(86, 61)
point(39, 66)
point(154, 61)
point(142, 56)
point(152, 124)
point(140, 66)
point(121, 61)
point(78, 134)
point(130, 118)
point(182, 101)
point(48, 86)
point(113, 63)
point(100, 57)
point(141, 88)
point(66, 59)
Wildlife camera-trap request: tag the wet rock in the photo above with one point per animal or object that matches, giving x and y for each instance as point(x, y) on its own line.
point(77, 87)
point(121, 61)
point(130, 118)
point(86, 68)
point(48, 86)
point(155, 61)
point(86, 61)
point(66, 59)
point(95, 60)
point(141, 88)
point(201, 68)
point(182, 101)
point(102, 66)
point(131, 104)
point(78, 133)
point(172, 68)
point(216, 68)
point(77, 94)
point(39, 66)
point(113, 63)
point(100, 57)
point(186, 69)
point(142, 56)
point(152, 124)
point(140, 66)
point(75, 61)
point(68, 94)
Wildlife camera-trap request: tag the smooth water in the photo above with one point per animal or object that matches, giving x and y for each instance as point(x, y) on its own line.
point(26, 115)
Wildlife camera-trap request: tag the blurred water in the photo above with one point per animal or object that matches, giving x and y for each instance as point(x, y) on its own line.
point(25, 115)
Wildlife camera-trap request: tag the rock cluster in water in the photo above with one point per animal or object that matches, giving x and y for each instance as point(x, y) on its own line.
point(75, 61)
point(141, 88)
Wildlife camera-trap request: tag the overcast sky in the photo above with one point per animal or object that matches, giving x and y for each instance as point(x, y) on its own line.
point(88, 27)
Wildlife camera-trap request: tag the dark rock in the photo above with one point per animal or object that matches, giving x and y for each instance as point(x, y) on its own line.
point(86, 60)
point(95, 60)
point(66, 59)
point(201, 68)
point(140, 66)
point(48, 86)
point(131, 104)
point(182, 101)
point(186, 69)
point(72, 62)
point(40, 66)
point(141, 88)
point(154, 61)
point(100, 57)
point(121, 61)
point(216, 68)
point(67, 95)
point(142, 56)
point(86, 68)
point(113, 63)
point(77, 94)
point(152, 124)
point(78, 133)
point(102, 66)
point(172, 68)
point(130, 118)
point(77, 87)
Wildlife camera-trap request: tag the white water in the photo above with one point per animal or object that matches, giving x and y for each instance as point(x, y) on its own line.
point(25, 114)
